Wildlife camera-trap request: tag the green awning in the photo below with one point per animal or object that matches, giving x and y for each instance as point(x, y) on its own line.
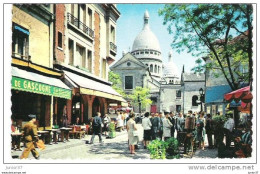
point(31, 82)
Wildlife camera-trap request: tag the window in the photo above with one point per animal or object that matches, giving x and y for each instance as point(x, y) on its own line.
point(159, 69)
point(194, 100)
point(128, 82)
point(59, 39)
point(146, 52)
point(112, 33)
point(20, 42)
point(141, 52)
point(81, 58)
point(90, 18)
point(151, 68)
point(178, 108)
point(178, 94)
point(90, 61)
point(155, 69)
point(71, 52)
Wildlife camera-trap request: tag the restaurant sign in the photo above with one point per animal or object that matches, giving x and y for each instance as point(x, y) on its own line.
point(40, 88)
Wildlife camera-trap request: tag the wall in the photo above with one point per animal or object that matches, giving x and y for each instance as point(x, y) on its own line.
point(59, 27)
point(39, 39)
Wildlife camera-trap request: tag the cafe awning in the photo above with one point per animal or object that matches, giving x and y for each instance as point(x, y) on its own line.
point(92, 87)
point(243, 94)
point(32, 82)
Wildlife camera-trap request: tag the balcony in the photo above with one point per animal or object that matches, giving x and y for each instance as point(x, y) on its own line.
point(81, 26)
point(113, 47)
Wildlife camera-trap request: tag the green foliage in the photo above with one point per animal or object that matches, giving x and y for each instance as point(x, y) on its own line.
point(209, 30)
point(199, 68)
point(219, 121)
point(164, 149)
point(116, 83)
point(144, 94)
point(157, 149)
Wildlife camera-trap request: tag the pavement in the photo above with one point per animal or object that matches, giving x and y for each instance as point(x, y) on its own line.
point(115, 148)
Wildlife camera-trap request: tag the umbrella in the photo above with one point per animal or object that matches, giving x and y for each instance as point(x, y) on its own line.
point(242, 94)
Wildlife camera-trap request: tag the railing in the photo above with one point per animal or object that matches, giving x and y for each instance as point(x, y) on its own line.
point(113, 47)
point(77, 23)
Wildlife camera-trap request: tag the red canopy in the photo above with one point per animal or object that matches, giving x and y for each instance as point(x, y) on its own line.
point(242, 94)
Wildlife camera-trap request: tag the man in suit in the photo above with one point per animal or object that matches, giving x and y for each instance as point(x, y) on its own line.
point(172, 119)
point(30, 137)
point(96, 124)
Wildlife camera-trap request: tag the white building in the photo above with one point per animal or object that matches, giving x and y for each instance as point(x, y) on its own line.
point(143, 67)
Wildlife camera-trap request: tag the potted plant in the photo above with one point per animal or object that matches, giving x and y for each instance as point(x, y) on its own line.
point(157, 149)
point(172, 148)
point(112, 130)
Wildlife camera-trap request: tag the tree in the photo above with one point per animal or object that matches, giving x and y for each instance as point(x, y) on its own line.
point(200, 68)
point(116, 83)
point(144, 94)
point(209, 29)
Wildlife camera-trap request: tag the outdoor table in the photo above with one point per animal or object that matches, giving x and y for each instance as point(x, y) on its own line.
point(18, 135)
point(65, 131)
point(55, 135)
point(42, 133)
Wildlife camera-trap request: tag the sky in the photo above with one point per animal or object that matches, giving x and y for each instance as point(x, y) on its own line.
point(130, 24)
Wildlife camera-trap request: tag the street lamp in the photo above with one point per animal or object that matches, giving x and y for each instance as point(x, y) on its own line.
point(201, 91)
point(139, 102)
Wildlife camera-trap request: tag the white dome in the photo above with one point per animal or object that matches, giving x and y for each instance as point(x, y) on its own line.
point(170, 70)
point(146, 39)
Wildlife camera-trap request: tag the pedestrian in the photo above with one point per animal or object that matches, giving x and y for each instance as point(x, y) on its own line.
point(201, 130)
point(155, 126)
point(172, 119)
point(30, 137)
point(120, 122)
point(209, 130)
point(147, 125)
point(96, 125)
point(228, 128)
point(160, 133)
point(132, 133)
point(180, 126)
point(106, 121)
point(78, 122)
point(167, 125)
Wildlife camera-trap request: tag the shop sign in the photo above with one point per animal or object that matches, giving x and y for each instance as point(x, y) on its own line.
point(40, 88)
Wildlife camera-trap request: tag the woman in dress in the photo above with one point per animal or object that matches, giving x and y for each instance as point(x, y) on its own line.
point(131, 127)
point(166, 127)
point(201, 130)
point(119, 120)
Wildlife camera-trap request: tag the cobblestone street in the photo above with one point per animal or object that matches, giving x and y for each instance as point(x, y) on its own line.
point(111, 149)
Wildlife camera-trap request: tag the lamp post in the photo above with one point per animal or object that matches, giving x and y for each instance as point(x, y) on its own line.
point(201, 91)
point(139, 102)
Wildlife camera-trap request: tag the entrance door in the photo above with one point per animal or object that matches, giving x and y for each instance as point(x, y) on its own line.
point(153, 108)
point(95, 107)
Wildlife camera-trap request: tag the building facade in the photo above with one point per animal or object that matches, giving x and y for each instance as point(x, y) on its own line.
point(60, 56)
point(35, 83)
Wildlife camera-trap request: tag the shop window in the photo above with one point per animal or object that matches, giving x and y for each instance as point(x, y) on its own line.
point(20, 42)
point(128, 82)
point(194, 100)
point(60, 39)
